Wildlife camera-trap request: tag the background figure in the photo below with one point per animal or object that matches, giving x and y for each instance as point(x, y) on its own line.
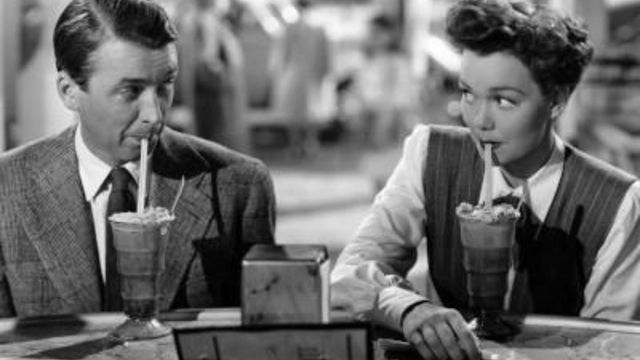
point(211, 79)
point(384, 85)
point(300, 65)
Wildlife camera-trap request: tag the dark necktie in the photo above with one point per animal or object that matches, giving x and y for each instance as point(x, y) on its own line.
point(120, 200)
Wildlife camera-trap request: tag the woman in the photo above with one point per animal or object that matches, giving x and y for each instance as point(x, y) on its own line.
point(520, 64)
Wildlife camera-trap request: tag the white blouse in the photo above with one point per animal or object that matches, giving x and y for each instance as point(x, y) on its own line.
point(394, 227)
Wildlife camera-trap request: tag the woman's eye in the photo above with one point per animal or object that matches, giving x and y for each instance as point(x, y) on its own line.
point(505, 103)
point(466, 95)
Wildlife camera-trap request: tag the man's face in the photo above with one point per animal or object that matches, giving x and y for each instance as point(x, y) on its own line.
point(503, 105)
point(129, 91)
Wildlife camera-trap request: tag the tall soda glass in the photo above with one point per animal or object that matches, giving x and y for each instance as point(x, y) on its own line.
point(140, 241)
point(487, 236)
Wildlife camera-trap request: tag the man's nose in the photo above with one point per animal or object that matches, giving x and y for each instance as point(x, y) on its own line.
point(150, 108)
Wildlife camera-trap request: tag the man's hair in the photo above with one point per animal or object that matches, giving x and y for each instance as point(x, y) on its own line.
point(85, 24)
point(555, 48)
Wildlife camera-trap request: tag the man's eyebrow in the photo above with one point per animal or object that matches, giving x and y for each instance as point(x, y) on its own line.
point(134, 81)
point(170, 74)
point(171, 69)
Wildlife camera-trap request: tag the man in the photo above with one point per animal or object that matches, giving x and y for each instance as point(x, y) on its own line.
point(117, 67)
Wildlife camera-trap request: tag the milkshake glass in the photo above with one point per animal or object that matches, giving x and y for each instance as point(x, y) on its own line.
point(487, 235)
point(140, 241)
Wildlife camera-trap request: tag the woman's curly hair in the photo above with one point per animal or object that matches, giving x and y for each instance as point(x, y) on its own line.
point(555, 48)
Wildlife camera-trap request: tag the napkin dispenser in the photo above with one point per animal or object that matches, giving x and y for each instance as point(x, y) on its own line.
point(286, 283)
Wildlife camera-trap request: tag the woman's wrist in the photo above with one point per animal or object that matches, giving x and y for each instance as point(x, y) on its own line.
point(410, 308)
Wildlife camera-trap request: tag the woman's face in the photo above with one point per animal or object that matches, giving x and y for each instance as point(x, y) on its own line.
point(503, 105)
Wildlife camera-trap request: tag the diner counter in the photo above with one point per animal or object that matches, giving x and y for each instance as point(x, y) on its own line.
point(84, 337)
point(553, 337)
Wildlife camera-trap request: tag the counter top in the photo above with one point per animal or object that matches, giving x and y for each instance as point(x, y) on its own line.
point(84, 337)
point(547, 338)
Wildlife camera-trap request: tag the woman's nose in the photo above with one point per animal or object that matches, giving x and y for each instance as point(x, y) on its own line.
point(482, 118)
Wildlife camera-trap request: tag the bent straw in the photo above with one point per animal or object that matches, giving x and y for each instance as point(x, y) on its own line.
point(142, 184)
point(175, 201)
point(488, 175)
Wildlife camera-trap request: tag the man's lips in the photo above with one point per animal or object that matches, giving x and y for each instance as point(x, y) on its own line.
point(135, 142)
point(146, 132)
point(137, 137)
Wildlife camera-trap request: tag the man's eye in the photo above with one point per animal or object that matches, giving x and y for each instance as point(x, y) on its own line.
point(131, 92)
point(166, 88)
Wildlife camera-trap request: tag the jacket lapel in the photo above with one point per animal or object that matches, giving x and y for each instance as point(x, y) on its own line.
point(59, 224)
point(194, 213)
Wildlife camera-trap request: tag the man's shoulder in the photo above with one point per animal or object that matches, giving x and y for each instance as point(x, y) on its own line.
point(32, 156)
point(35, 148)
point(212, 156)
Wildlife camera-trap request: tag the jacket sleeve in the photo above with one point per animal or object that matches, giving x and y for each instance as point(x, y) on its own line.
point(245, 214)
point(259, 212)
point(6, 232)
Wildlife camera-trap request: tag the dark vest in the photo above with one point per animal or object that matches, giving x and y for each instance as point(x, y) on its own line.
point(555, 265)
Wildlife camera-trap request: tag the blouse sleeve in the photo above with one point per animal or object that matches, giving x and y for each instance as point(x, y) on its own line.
point(613, 290)
point(369, 279)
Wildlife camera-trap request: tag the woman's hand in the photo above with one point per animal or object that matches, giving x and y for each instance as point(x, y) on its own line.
point(439, 333)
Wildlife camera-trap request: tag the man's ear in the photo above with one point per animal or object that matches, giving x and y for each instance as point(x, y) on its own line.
point(68, 90)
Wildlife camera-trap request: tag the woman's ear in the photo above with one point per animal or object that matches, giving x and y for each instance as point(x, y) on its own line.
point(557, 109)
point(68, 90)
point(558, 105)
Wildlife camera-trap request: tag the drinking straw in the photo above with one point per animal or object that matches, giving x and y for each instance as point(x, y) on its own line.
point(175, 201)
point(142, 184)
point(488, 176)
point(520, 203)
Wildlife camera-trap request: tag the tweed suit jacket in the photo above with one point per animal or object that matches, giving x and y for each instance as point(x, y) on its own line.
point(48, 261)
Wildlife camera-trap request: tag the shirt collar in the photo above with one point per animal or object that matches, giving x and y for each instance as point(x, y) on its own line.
point(93, 171)
point(536, 189)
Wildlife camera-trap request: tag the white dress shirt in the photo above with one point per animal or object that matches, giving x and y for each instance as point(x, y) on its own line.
point(368, 278)
point(93, 176)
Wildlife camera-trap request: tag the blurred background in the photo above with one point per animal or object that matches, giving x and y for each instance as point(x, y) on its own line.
point(323, 91)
